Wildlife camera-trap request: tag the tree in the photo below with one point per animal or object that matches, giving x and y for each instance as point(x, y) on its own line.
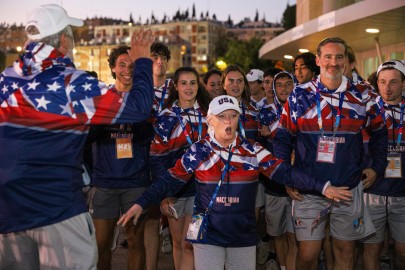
point(131, 20)
point(289, 17)
point(193, 12)
point(257, 16)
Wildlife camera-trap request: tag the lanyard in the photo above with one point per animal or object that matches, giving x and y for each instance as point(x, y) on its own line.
point(338, 115)
point(162, 99)
point(226, 169)
point(242, 118)
point(183, 126)
point(401, 119)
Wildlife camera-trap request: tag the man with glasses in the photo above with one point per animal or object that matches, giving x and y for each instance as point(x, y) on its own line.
point(323, 121)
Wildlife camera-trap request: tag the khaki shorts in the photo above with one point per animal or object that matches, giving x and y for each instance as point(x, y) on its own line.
point(278, 215)
point(69, 244)
point(383, 209)
point(348, 220)
point(108, 203)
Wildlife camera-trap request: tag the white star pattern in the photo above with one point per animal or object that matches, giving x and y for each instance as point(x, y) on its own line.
point(191, 157)
point(4, 89)
point(42, 102)
point(165, 138)
point(294, 115)
point(90, 78)
point(66, 109)
point(69, 89)
point(53, 87)
point(33, 85)
point(87, 86)
point(1, 79)
point(293, 99)
point(15, 86)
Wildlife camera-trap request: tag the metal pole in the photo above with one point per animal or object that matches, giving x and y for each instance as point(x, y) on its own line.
point(378, 47)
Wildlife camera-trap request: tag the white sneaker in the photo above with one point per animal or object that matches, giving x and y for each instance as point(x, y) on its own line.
point(262, 252)
point(115, 239)
point(166, 245)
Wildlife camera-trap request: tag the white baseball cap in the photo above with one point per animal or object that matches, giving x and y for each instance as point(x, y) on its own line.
point(254, 75)
point(223, 103)
point(392, 64)
point(49, 20)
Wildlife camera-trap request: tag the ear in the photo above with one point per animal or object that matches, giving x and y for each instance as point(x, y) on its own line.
point(317, 60)
point(64, 44)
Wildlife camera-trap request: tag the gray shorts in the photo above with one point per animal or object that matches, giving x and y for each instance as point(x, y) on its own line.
point(108, 203)
point(184, 206)
point(260, 196)
point(278, 215)
point(348, 220)
point(69, 244)
point(383, 209)
point(220, 258)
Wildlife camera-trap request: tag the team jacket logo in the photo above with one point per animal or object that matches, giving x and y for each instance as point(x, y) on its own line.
point(227, 201)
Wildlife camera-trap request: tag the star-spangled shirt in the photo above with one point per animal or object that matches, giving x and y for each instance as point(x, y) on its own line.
point(299, 130)
point(46, 107)
point(232, 220)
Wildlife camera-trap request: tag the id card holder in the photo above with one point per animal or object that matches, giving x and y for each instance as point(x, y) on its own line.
point(394, 167)
point(123, 148)
point(326, 151)
point(194, 228)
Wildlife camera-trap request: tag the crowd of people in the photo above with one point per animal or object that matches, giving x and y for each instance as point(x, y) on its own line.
point(314, 157)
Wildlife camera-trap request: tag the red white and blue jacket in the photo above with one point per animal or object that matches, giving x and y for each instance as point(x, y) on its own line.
point(173, 138)
point(269, 116)
point(386, 186)
point(232, 220)
point(248, 120)
point(46, 107)
point(299, 123)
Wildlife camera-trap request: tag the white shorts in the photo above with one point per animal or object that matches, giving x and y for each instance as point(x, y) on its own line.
point(69, 244)
point(278, 215)
point(383, 209)
point(348, 220)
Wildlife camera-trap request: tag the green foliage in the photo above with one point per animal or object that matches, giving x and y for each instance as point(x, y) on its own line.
point(2, 61)
point(289, 17)
point(246, 54)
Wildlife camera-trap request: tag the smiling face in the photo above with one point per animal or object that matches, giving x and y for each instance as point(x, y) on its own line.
point(224, 125)
point(187, 87)
point(123, 70)
point(234, 84)
point(214, 85)
point(390, 84)
point(284, 87)
point(331, 60)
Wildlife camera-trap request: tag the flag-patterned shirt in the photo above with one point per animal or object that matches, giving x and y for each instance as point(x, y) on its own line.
point(173, 138)
point(299, 122)
point(386, 186)
point(46, 106)
point(232, 220)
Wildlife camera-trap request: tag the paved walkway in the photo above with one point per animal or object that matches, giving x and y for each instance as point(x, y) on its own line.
point(119, 259)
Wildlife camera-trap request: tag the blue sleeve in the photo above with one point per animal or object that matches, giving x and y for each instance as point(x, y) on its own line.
point(165, 186)
point(377, 147)
point(283, 144)
point(290, 176)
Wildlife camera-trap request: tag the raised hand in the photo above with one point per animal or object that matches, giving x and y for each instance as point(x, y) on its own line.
point(140, 44)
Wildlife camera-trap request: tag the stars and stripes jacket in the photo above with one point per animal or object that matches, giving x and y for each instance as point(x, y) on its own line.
point(386, 186)
point(46, 107)
point(299, 123)
point(170, 141)
point(232, 220)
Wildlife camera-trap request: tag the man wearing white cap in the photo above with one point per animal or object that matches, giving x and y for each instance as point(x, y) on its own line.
point(226, 168)
point(46, 107)
point(385, 199)
point(257, 94)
